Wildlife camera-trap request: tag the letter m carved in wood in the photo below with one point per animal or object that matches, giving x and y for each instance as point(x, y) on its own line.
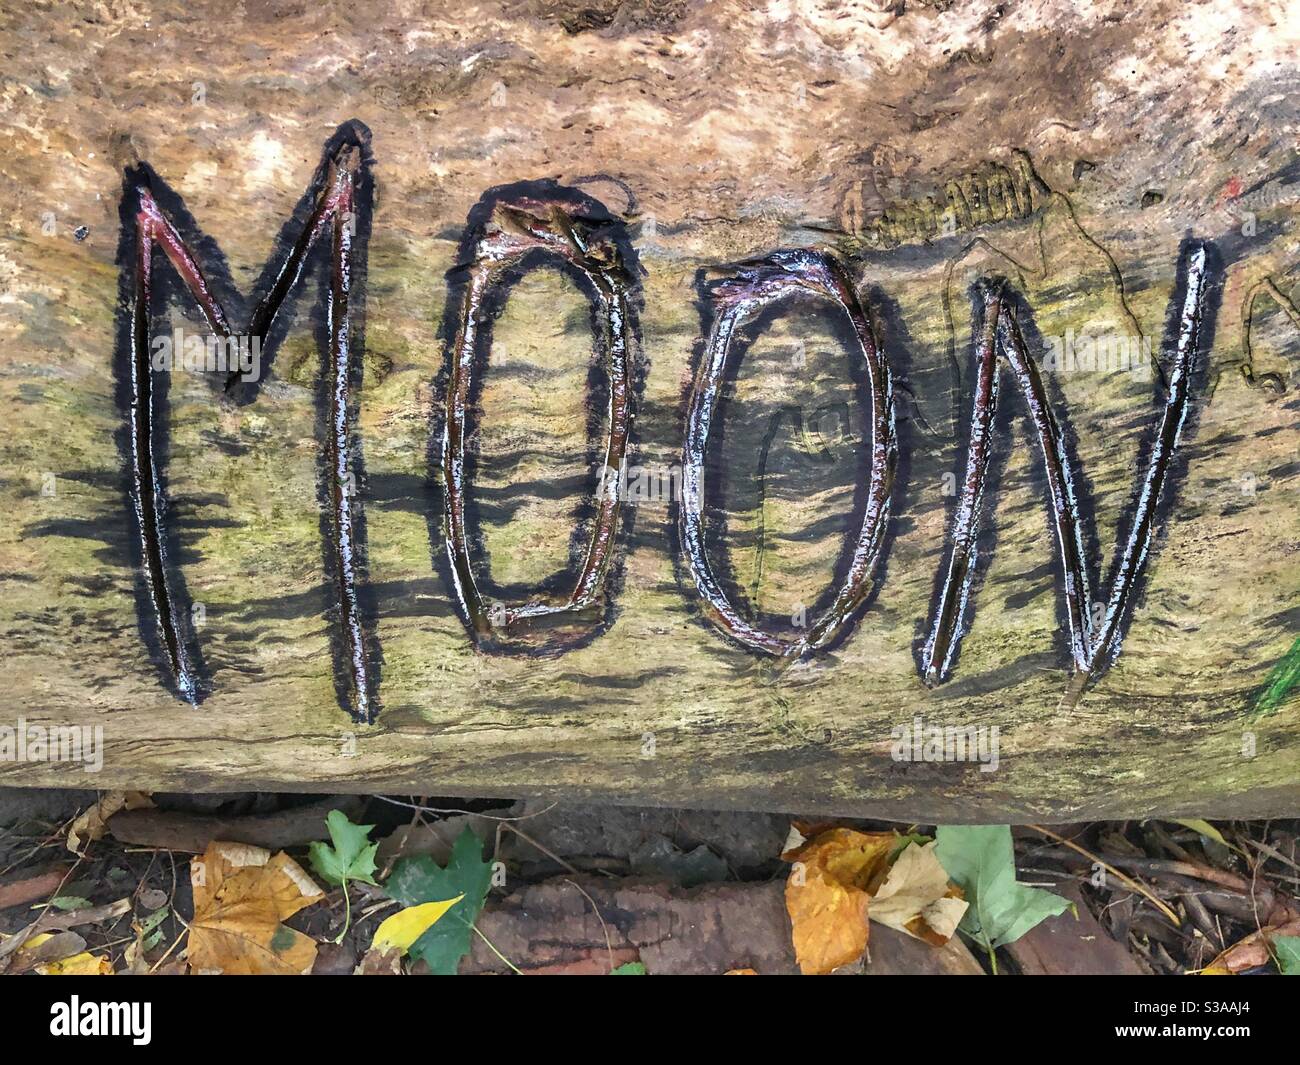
point(334, 214)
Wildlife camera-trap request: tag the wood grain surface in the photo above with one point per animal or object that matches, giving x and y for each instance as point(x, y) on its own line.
point(1071, 152)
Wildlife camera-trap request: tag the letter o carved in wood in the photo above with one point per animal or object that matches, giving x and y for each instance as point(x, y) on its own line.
point(520, 227)
point(735, 301)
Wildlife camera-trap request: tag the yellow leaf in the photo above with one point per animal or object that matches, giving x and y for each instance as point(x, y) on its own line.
point(83, 964)
point(829, 921)
point(406, 926)
point(852, 857)
point(828, 892)
point(32, 942)
point(380, 963)
point(241, 896)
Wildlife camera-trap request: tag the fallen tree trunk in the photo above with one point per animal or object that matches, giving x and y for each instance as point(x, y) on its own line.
point(454, 495)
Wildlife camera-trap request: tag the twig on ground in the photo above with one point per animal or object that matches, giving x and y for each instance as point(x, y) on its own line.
point(1128, 882)
point(609, 945)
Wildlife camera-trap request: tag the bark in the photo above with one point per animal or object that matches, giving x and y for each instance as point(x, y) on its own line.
point(924, 147)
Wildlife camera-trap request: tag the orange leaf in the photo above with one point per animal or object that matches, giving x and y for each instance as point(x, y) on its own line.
point(1249, 953)
point(828, 892)
point(241, 896)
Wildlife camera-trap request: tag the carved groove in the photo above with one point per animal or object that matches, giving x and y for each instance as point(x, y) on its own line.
point(335, 211)
point(519, 228)
point(736, 301)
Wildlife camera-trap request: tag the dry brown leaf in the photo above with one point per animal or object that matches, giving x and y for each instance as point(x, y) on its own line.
point(1251, 952)
point(241, 897)
point(828, 893)
point(60, 954)
point(740, 972)
point(136, 965)
point(916, 897)
point(380, 963)
point(794, 839)
point(90, 825)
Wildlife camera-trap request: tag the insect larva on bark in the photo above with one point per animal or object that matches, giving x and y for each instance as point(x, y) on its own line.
point(1246, 365)
point(991, 194)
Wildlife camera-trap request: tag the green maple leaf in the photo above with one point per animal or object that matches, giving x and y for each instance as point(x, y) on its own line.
point(352, 857)
point(420, 879)
point(1286, 952)
point(981, 860)
point(631, 968)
